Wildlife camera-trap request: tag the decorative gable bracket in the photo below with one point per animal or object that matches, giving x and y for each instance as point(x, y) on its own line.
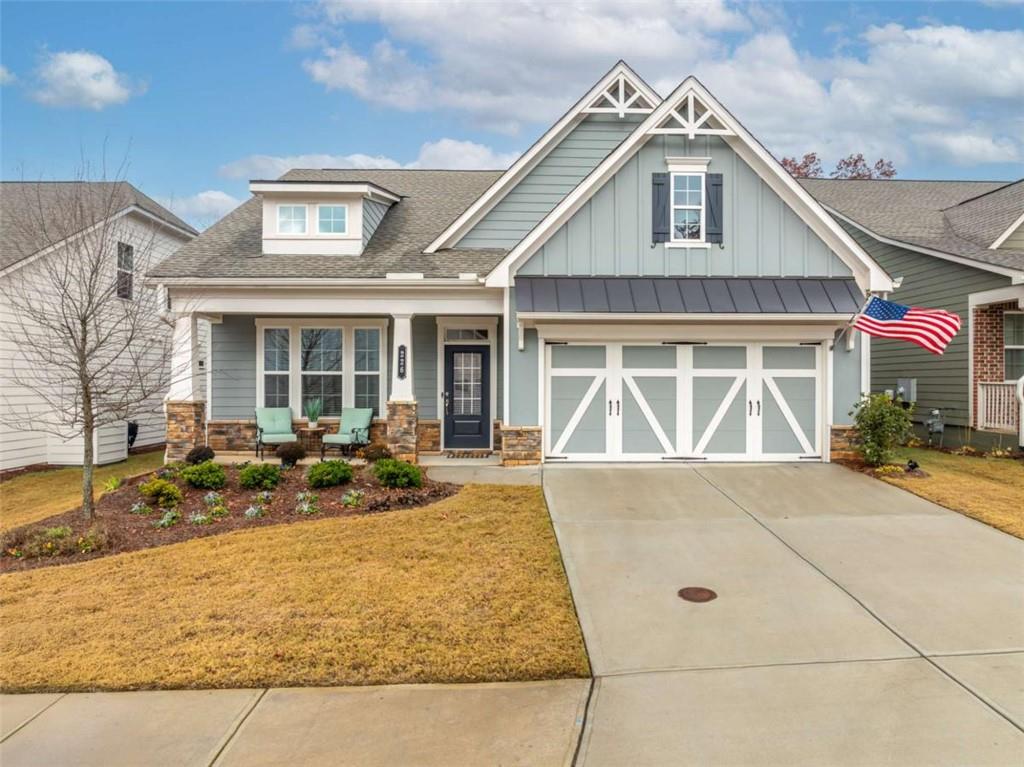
point(620, 98)
point(691, 117)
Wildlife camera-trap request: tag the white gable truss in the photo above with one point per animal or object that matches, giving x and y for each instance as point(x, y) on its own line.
point(620, 92)
point(692, 111)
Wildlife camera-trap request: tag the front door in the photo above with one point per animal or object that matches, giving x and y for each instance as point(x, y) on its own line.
point(467, 388)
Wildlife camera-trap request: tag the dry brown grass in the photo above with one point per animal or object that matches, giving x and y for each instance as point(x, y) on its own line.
point(466, 590)
point(990, 490)
point(37, 495)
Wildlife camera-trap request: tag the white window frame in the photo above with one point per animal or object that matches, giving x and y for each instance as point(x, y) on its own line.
point(321, 206)
point(382, 353)
point(120, 270)
point(1008, 346)
point(305, 221)
point(307, 325)
point(490, 324)
point(673, 207)
point(263, 372)
point(294, 325)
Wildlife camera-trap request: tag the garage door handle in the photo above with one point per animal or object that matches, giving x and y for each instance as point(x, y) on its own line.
point(759, 407)
point(609, 407)
point(750, 407)
point(617, 408)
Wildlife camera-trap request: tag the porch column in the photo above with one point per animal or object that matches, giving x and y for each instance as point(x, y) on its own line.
point(402, 407)
point(186, 414)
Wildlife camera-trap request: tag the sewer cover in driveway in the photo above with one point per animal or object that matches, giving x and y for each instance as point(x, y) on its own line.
point(697, 594)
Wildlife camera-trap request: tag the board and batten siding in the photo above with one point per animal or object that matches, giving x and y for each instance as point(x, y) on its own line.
point(611, 234)
point(557, 174)
point(934, 283)
point(373, 212)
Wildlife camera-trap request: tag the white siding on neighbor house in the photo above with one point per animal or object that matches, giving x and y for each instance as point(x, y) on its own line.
point(110, 444)
point(20, 445)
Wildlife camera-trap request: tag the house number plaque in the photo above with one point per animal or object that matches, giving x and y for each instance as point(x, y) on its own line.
point(402, 356)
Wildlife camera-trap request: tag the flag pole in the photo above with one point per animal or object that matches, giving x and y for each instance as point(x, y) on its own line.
point(849, 325)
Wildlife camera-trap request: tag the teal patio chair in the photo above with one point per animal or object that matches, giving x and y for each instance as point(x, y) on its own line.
point(273, 427)
point(353, 431)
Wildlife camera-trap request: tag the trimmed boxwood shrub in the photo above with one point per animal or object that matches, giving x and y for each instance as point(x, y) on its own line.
point(199, 454)
point(394, 473)
point(206, 475)
point(163, 493)
point(329, 474)
point(259, 476)
point(290, 453)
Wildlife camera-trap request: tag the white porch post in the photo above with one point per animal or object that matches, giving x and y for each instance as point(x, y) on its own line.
point(184, 373)
point(401, 360)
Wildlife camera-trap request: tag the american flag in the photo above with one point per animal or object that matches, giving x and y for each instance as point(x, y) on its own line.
point(931, 328)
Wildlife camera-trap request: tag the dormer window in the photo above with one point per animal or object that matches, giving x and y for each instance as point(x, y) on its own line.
point(291, 219)
point(332, 219)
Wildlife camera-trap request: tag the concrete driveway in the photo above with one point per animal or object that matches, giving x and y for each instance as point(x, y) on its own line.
point(854, 624)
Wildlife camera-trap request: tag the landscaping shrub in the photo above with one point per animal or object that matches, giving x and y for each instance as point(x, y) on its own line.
point(882, 424)
point(353, 499)
point(112, 484)
point(170, 470)
point(890, 470)
point(290, 453)
point(374, 452)
point(207, 475)
point(140, 508)
point(306, 503)
point(329, 474)
point(259, 476)
point(394, 473)
point(199, 454)
point(165, 494)
point(199, 518)
point(169, 518)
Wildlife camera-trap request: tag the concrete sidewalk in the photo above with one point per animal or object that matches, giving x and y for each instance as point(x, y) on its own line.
point(529, 723)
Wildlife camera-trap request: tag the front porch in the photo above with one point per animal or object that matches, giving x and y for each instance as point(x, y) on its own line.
point(997, 362)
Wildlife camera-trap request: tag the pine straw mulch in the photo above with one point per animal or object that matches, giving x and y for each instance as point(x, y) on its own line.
point(125, 531)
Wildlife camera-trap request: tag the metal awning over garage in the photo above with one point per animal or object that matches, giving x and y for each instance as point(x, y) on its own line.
point(687, 295)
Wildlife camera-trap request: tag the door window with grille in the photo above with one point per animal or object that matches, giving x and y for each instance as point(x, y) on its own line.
point(468, 383)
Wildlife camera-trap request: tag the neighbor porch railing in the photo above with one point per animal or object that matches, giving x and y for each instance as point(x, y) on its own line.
point(998, 407)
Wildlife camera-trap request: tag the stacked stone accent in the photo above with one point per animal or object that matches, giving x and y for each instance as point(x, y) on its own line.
point(428, 437)
point(401, 430)
point(496, 427)
point(844, 443)
point(184, 428)
point(231, 435)
point(520, 445)
point(988, 348)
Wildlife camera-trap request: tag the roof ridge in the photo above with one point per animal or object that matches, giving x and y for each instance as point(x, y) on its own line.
point(985, 194)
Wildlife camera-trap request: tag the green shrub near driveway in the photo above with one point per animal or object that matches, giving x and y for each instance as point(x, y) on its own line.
point(259, 476)
point(882, 425)
point(393, 473)
point(206, 475)
point(329, 474)
point(163, 493)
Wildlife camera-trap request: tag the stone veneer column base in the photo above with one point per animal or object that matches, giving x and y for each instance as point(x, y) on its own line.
point(521, 445)
point(844, 442)
point(402, 430)
point(184, 428)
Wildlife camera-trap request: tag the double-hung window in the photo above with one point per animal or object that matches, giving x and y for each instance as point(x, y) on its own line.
point(321, 366)
point(125, 270)
point(291, 219)
point(687, 207)
point(1013, 345)
point(367, 368)
point(332, 219)
point(276, 378)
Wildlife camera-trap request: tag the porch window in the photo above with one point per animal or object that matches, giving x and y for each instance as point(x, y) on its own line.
point(276, 376)
point(367, 372)
point(687, 207)
point(291, 219)
point(1013, 345)
point(320, 363)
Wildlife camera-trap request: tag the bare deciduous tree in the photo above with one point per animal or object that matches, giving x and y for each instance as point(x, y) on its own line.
point(91, 342)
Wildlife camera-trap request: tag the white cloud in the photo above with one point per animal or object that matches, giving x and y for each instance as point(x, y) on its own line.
point(81, 79)
point(203, 208)
point(443, 154)
point(969, 148)
point(6, 76)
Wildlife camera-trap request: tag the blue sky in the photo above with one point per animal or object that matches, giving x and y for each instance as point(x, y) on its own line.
point(203, 96)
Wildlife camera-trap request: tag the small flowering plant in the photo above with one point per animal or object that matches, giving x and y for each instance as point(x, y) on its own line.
point(213, 498)
point(199, 518)
point(140, 508)
point(253, 512)
point(168, 518)
point(306, 503)
point(353, 499)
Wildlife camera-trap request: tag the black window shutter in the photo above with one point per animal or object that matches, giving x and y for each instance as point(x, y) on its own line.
point(713, 226)
point(660, 207)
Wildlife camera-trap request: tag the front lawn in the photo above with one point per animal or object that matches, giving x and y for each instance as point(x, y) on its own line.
point(988, 489)
point(468, 589)
point(37, 495)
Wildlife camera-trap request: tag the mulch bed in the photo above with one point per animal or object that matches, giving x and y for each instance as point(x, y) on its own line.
point(130, 532)
point(857, 464)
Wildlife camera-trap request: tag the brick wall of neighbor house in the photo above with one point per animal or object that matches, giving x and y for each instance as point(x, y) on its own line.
point(988, 351)
point(520, 445)
point(184, 428)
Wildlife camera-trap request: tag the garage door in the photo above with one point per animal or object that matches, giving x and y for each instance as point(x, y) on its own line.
point(718, 402)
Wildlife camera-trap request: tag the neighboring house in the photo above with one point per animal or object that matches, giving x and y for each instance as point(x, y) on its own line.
point(645, 283)
point(959, 246)
point(144, 230)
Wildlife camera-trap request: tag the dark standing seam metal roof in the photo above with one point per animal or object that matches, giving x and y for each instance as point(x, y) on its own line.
point(687, 295)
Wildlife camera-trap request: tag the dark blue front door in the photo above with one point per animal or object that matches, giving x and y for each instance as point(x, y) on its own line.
point(467, 395)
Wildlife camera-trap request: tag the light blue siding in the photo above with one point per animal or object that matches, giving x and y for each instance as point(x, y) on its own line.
point(424, 365)
point(373, 212)
point(522, 378)
point(846, 379)
point(611, 233)
point(233, 368)
point(552, 179)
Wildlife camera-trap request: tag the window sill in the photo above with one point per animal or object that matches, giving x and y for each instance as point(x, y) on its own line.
point(688, 244)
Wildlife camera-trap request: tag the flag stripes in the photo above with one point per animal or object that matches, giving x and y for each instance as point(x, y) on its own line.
point(931, 329)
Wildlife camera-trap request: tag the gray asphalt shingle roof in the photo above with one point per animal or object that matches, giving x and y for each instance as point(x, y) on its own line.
point(955, 217)
point(431, 199)
point(21, 201)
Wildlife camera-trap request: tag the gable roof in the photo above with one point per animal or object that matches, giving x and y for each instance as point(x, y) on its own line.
point(957, 218)
point(679, 114)
point(594, 101)
point(430, 200)
point(22, 200)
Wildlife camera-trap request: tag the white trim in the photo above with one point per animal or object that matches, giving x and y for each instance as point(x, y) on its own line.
point(865, 361)
point(869, 274)
point(688, 164)
point(506, 351)
point(390, 280)
point(319, 207)
point(305, 217)
point(490, 324)
point(702, 208)
point(1006, 235)
point(529, 159)
point(319, 187)
point(1016, 275)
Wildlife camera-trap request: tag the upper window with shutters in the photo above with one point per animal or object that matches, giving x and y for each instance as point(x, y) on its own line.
point(687, 204)
point(687, 207)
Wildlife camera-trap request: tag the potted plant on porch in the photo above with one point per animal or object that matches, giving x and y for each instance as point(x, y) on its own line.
point(313, 409)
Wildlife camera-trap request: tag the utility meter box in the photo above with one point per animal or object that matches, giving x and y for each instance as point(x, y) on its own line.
point(906, 389)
